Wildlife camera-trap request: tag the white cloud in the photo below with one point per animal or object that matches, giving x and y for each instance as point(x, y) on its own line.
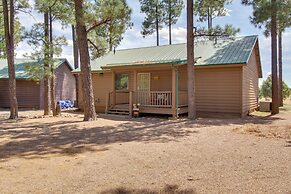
point(179, 34)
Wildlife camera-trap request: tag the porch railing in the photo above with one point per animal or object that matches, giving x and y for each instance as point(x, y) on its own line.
point(162, 99)
point(154, 98)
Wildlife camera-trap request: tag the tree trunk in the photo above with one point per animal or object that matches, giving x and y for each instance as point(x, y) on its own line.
point(280, 69)
point(208, 19)
point(53, 77)
point(9, 16)
point(46, 81)
point(157, 25)
point(76, 62)
point(190, 62)
point(170, 22)
point(275, 99)
point(88, 97)
point(75, 48)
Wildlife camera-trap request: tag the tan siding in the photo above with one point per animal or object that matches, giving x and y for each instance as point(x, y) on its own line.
point(102, 83)
point(250, 85)
point(161, 80)
point(217, 89)
point(80, 93)
point(162, 83)
point(27, 94)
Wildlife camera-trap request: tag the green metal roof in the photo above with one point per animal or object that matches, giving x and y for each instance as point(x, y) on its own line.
point(228, 51)
point(20, 65)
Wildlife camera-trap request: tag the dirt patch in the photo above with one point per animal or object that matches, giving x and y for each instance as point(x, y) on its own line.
point(115, 155)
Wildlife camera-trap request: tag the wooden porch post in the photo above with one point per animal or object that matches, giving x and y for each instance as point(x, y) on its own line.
point(130, 104)
point(134, 86)
point(174, 93)
point(113, 89)
point(107, 102)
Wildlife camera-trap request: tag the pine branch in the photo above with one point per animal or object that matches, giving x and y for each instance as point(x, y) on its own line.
point(97, 24)
point(94, 45)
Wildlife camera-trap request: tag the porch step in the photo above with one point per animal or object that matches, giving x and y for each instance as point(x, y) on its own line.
point(118, 111)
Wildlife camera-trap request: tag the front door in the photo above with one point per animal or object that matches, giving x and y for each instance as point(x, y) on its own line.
point(143, 88)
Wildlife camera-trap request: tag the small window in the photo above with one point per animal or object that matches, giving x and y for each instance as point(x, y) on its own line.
point(121, 82)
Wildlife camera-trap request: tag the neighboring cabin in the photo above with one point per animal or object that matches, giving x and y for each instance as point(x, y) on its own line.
point(227, 74)
point(29, 92)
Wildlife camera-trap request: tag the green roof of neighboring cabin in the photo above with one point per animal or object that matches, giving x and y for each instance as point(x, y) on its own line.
point(227, 51)
point(20, 65)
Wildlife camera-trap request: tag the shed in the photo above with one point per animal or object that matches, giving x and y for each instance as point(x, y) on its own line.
point(30, 92)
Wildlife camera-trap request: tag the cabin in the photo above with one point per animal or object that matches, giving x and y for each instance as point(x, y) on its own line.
point(30, 92)
point(155, 78)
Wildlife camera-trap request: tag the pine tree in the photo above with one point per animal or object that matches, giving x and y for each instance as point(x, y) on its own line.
point(88, 97)
point(172, 11)
point(275, 17)
point(18, 32)
point(190, 62)
point(154, 19)
point(207, 11)
point(11, 36)
point(100, 23)
point(112, 18)
point(43, 33)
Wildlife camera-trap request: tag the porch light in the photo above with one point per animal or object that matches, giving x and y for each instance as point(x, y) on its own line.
point(156, 77)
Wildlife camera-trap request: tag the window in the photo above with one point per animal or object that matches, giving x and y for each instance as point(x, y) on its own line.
point(121, 81)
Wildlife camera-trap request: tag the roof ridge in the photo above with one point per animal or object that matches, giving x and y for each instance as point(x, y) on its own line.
point(148, 47)
point(168, 45)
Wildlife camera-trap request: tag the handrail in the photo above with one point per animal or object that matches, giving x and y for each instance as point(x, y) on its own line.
point(162, 99)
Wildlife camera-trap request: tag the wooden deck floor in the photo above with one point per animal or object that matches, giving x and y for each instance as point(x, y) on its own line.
point(151, 109)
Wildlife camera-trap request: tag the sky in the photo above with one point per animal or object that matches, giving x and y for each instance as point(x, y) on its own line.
point(238, 17)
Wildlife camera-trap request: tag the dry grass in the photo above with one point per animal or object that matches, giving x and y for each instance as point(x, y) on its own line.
point(269, 131)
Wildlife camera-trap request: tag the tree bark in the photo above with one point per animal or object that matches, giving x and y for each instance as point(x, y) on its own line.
point(275, 99)
point(190, 62)
point(53, 77)
point(76, 62)
point(208, 19)
point(46, 81)
point(280, 69)
point(9, 16)
point(75, 48)
point(88, 97)
point(170, 22)
point(157, 25)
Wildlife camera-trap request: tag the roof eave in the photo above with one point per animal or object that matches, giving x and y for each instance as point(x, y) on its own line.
point(110, 66)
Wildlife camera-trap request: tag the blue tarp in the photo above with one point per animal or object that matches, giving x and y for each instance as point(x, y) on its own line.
point(65, 104)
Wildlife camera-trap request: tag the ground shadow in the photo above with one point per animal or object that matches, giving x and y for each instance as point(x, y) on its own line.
point(168, 189)
point(70, 136)
point(38, 139)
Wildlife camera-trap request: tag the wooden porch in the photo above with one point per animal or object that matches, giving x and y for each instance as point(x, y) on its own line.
point(155, 102)
point(154, 90)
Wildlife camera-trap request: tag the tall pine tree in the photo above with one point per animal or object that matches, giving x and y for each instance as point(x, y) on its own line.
point(261, 18)
point(207, 11)
point(95, 20)
point(172, 11)
point(154, 19)
point(9, 19)
point(190, 62)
